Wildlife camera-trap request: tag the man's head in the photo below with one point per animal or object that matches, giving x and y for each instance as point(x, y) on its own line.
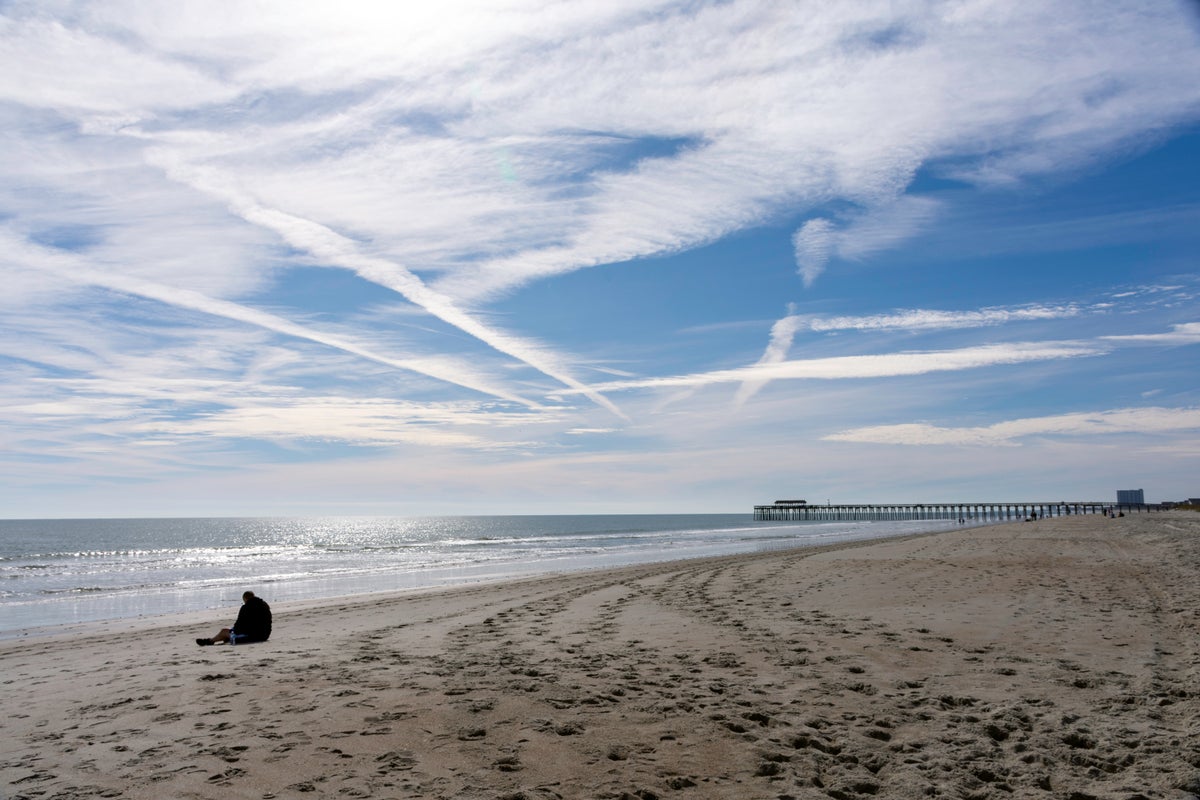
point(247, 596)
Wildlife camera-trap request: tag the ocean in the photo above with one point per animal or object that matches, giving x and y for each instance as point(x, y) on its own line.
point(64, 572)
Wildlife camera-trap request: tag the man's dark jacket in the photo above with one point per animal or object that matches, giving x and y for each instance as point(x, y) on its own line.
point(254, 619)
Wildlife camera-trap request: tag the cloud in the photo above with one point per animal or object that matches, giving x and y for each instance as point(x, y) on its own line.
point(496, 145)
point(1141, 421)
point(862, 235)
point(780, 112)
point(1186, 333)
point(170, 166)
point(74, 270)
point(870, 366)
point(354, 421)
point(923, 319)
point(782, 334)
point(784, 331)
point(813, 244)
point(332, 248)
point(48, 64)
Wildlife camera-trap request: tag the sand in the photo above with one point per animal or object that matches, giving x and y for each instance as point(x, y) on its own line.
point(1053, 659)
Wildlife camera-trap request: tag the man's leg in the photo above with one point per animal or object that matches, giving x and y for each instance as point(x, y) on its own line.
point(223, 636)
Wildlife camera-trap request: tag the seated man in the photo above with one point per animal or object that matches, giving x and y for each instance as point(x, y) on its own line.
point(253, 624)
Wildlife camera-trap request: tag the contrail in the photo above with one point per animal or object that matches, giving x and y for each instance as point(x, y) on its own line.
point(873, 366)
point(333, 248)
point(71, 268)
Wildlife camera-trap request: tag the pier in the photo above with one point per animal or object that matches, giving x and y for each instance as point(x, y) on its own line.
point(798, 510)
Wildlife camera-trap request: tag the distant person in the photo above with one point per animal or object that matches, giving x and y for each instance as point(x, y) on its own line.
point(253, 624)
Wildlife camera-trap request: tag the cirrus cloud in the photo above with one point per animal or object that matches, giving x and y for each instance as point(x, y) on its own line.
point(1142, 421)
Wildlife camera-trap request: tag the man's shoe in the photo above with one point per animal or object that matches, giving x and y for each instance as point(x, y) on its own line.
point(204, 642)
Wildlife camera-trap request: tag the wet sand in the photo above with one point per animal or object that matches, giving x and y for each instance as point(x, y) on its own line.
point(1056, 659)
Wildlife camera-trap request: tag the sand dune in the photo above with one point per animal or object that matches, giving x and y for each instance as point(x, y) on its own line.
point(1055, 659)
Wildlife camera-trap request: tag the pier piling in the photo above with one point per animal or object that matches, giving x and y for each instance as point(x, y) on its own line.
point(793, 510)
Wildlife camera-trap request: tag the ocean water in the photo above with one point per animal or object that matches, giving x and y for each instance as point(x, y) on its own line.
point(59, 572)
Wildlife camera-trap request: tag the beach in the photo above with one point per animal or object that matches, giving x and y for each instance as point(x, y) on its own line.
point(1058, 658)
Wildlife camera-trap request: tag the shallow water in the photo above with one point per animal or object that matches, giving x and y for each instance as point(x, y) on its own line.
point(56, 572)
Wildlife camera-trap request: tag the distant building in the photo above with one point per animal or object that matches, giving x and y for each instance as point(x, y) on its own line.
point(1131, 497)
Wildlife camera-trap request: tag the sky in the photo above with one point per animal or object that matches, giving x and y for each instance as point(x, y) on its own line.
point(472, 257)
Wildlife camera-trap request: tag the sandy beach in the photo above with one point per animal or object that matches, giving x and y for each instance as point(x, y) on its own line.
point(1056, 659)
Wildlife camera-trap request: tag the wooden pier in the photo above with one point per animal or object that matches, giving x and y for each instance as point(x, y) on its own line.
point(794, 510)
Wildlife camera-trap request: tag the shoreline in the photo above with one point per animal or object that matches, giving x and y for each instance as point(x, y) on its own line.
point(144, 624)
point(77, 614)
point(1035, 659)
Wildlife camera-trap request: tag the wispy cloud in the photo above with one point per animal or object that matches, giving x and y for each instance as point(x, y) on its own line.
point(73, 269)
point(354, 421)
point(784, 331)
point(813, 244)
point(762, 133)
point(408, 123)
point(862, 234)
point(329, 247)
point(1186, 333)
point(782, 334)
point(872, 366)
point(925, 319)
point(319, 224)
point(48, 63)
point(1143, 421)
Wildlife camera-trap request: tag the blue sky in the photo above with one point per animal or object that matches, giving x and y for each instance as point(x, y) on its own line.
point(555, 257)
